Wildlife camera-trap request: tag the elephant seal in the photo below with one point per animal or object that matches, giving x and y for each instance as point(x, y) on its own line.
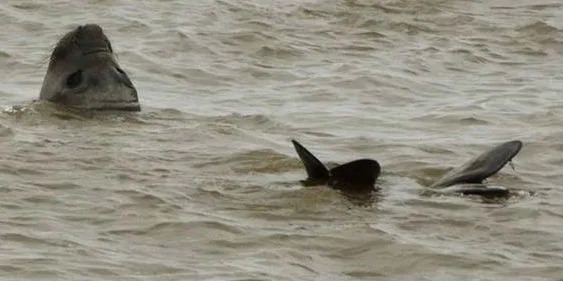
point(83, 73)
point(360, 175)
point(355, 176)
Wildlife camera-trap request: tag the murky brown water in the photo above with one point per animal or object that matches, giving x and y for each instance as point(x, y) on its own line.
point(203, 184)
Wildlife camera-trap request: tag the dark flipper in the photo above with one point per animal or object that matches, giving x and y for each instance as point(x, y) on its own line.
point(317, 173)
point(358, 176)
point(358, 172)
point(481, 167)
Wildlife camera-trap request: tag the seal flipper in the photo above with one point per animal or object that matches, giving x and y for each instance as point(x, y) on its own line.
point(317, 173)
point(358, 175)
point(481, 167)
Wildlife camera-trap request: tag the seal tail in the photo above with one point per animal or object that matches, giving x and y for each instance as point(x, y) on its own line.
point(361, 172)
point(316, 170)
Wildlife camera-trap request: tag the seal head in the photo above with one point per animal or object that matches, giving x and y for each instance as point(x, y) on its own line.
point(83, 73)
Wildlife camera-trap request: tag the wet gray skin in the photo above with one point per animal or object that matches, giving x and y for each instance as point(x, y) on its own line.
point(83, 73)
point(468, 178)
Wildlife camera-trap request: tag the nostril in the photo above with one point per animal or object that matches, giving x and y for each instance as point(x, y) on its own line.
point(74, 79)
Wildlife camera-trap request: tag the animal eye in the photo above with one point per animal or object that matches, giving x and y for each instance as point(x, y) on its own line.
point(74, 79)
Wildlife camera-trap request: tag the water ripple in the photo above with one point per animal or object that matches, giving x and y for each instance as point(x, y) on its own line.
point(203, 184)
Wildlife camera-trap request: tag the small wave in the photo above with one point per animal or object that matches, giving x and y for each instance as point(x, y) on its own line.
point(396, 7)
point(469, 56)
point(28, 6)
point(538, 39)
point(539, 27)
point(370, 34)
point(44, 112)
point(5, 131)
point(36, 241)
point(18, 169)
point(250, 121)
point(279, 52)
point(255, 161)
point(175, 227)
point(41, 111)
point(4, 54)
point(473, 121)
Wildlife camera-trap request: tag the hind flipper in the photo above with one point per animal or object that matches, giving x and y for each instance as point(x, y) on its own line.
point(356, 175)
point(481, 167)
point(316, 170)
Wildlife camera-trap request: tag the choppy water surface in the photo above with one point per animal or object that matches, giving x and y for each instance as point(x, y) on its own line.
point(203, 184)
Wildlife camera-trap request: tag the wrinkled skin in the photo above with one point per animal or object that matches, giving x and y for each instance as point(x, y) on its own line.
point(83, 73)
